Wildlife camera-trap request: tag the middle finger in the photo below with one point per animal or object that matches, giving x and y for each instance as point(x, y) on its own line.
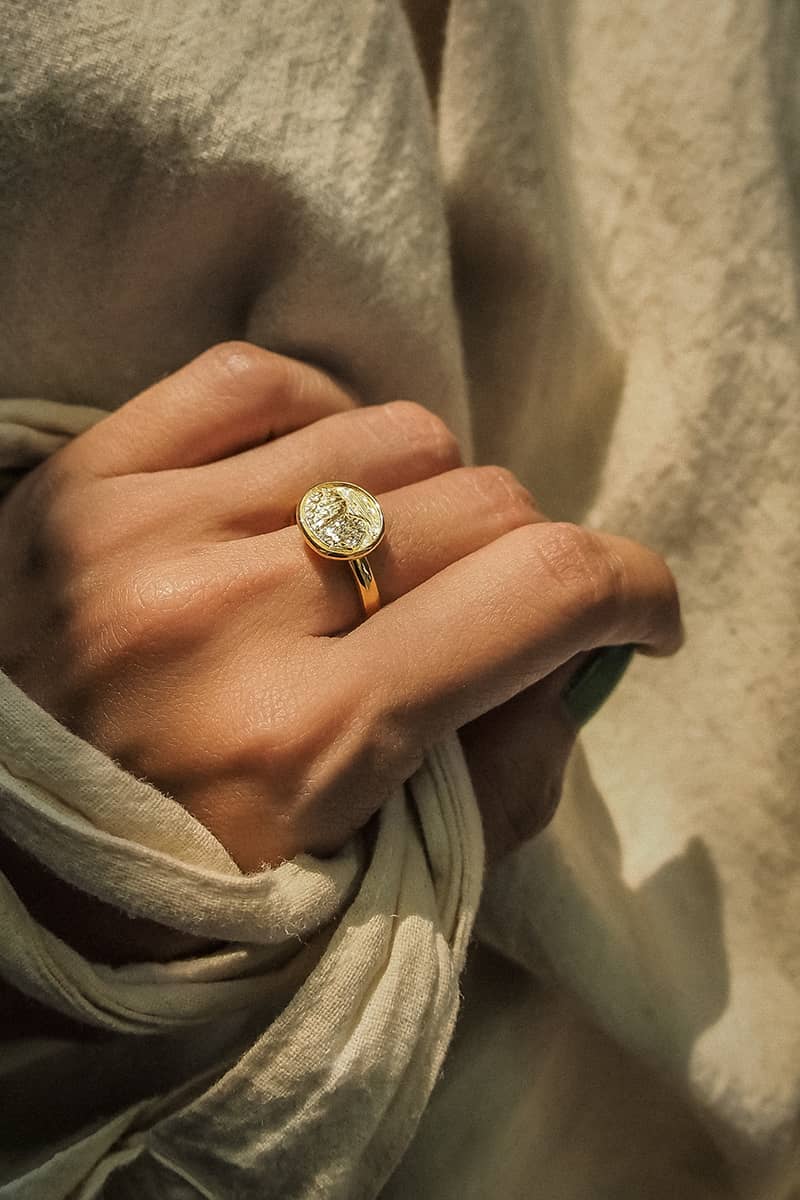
point(382, 446)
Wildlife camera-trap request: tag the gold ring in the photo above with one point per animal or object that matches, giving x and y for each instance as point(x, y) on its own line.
point(344, 521)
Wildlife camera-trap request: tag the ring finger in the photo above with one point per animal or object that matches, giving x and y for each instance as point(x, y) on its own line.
point(429, 525)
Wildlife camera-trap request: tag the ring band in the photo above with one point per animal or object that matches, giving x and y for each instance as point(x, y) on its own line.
point(344, 521)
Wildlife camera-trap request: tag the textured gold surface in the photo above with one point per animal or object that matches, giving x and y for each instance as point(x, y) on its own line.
point(340, 520)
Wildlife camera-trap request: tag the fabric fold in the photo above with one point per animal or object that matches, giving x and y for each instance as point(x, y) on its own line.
point(353, 961)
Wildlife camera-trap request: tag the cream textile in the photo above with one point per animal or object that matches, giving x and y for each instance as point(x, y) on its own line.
point(355, 1051)
point(590, 254)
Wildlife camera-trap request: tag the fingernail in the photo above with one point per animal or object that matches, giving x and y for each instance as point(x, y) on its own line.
point(594, 681)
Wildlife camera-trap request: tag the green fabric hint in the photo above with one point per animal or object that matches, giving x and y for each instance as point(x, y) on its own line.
point(595, 680)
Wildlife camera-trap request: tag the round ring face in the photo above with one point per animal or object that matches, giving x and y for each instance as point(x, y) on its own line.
point(340, 520)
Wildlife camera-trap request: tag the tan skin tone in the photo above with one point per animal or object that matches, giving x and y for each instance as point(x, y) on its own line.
point(161, 603)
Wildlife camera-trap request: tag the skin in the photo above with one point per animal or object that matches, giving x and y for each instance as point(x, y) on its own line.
point(161, 603)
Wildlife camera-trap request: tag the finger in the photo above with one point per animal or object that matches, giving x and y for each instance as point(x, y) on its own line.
point(428, 526)
point(495, 622)
point(380, 447)
point(517, 754)
point(233, 396)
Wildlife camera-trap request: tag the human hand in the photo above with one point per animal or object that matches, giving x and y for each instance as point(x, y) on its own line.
point(517, 753)
point(160, 602)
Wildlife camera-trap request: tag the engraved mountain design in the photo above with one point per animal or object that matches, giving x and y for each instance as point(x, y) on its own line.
point(342, 518)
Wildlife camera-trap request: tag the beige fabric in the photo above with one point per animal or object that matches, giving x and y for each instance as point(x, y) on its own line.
point(357, 1046)
point(588, 256)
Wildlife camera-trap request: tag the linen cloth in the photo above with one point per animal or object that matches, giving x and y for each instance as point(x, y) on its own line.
point(584, 256)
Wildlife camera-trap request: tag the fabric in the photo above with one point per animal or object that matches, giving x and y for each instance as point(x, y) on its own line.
point(357, 1047)
point(584, 256)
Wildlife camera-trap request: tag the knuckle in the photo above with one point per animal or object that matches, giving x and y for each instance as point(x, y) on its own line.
point(526, 820)
point(91, 524)
point(389, 748)
point(291, 741)
point(281, 381)
point(282, 744)
point(69, 535)
point(155, 605)
point(500, 489)
point(236, 361)
point(590, 577)
point(549, 800)
point(47, 490)
point(81, 545)
point(427, 431)
point(324, 736)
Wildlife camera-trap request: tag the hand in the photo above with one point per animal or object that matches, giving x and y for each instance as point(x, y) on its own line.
point(517, 754)
point(160, 602)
